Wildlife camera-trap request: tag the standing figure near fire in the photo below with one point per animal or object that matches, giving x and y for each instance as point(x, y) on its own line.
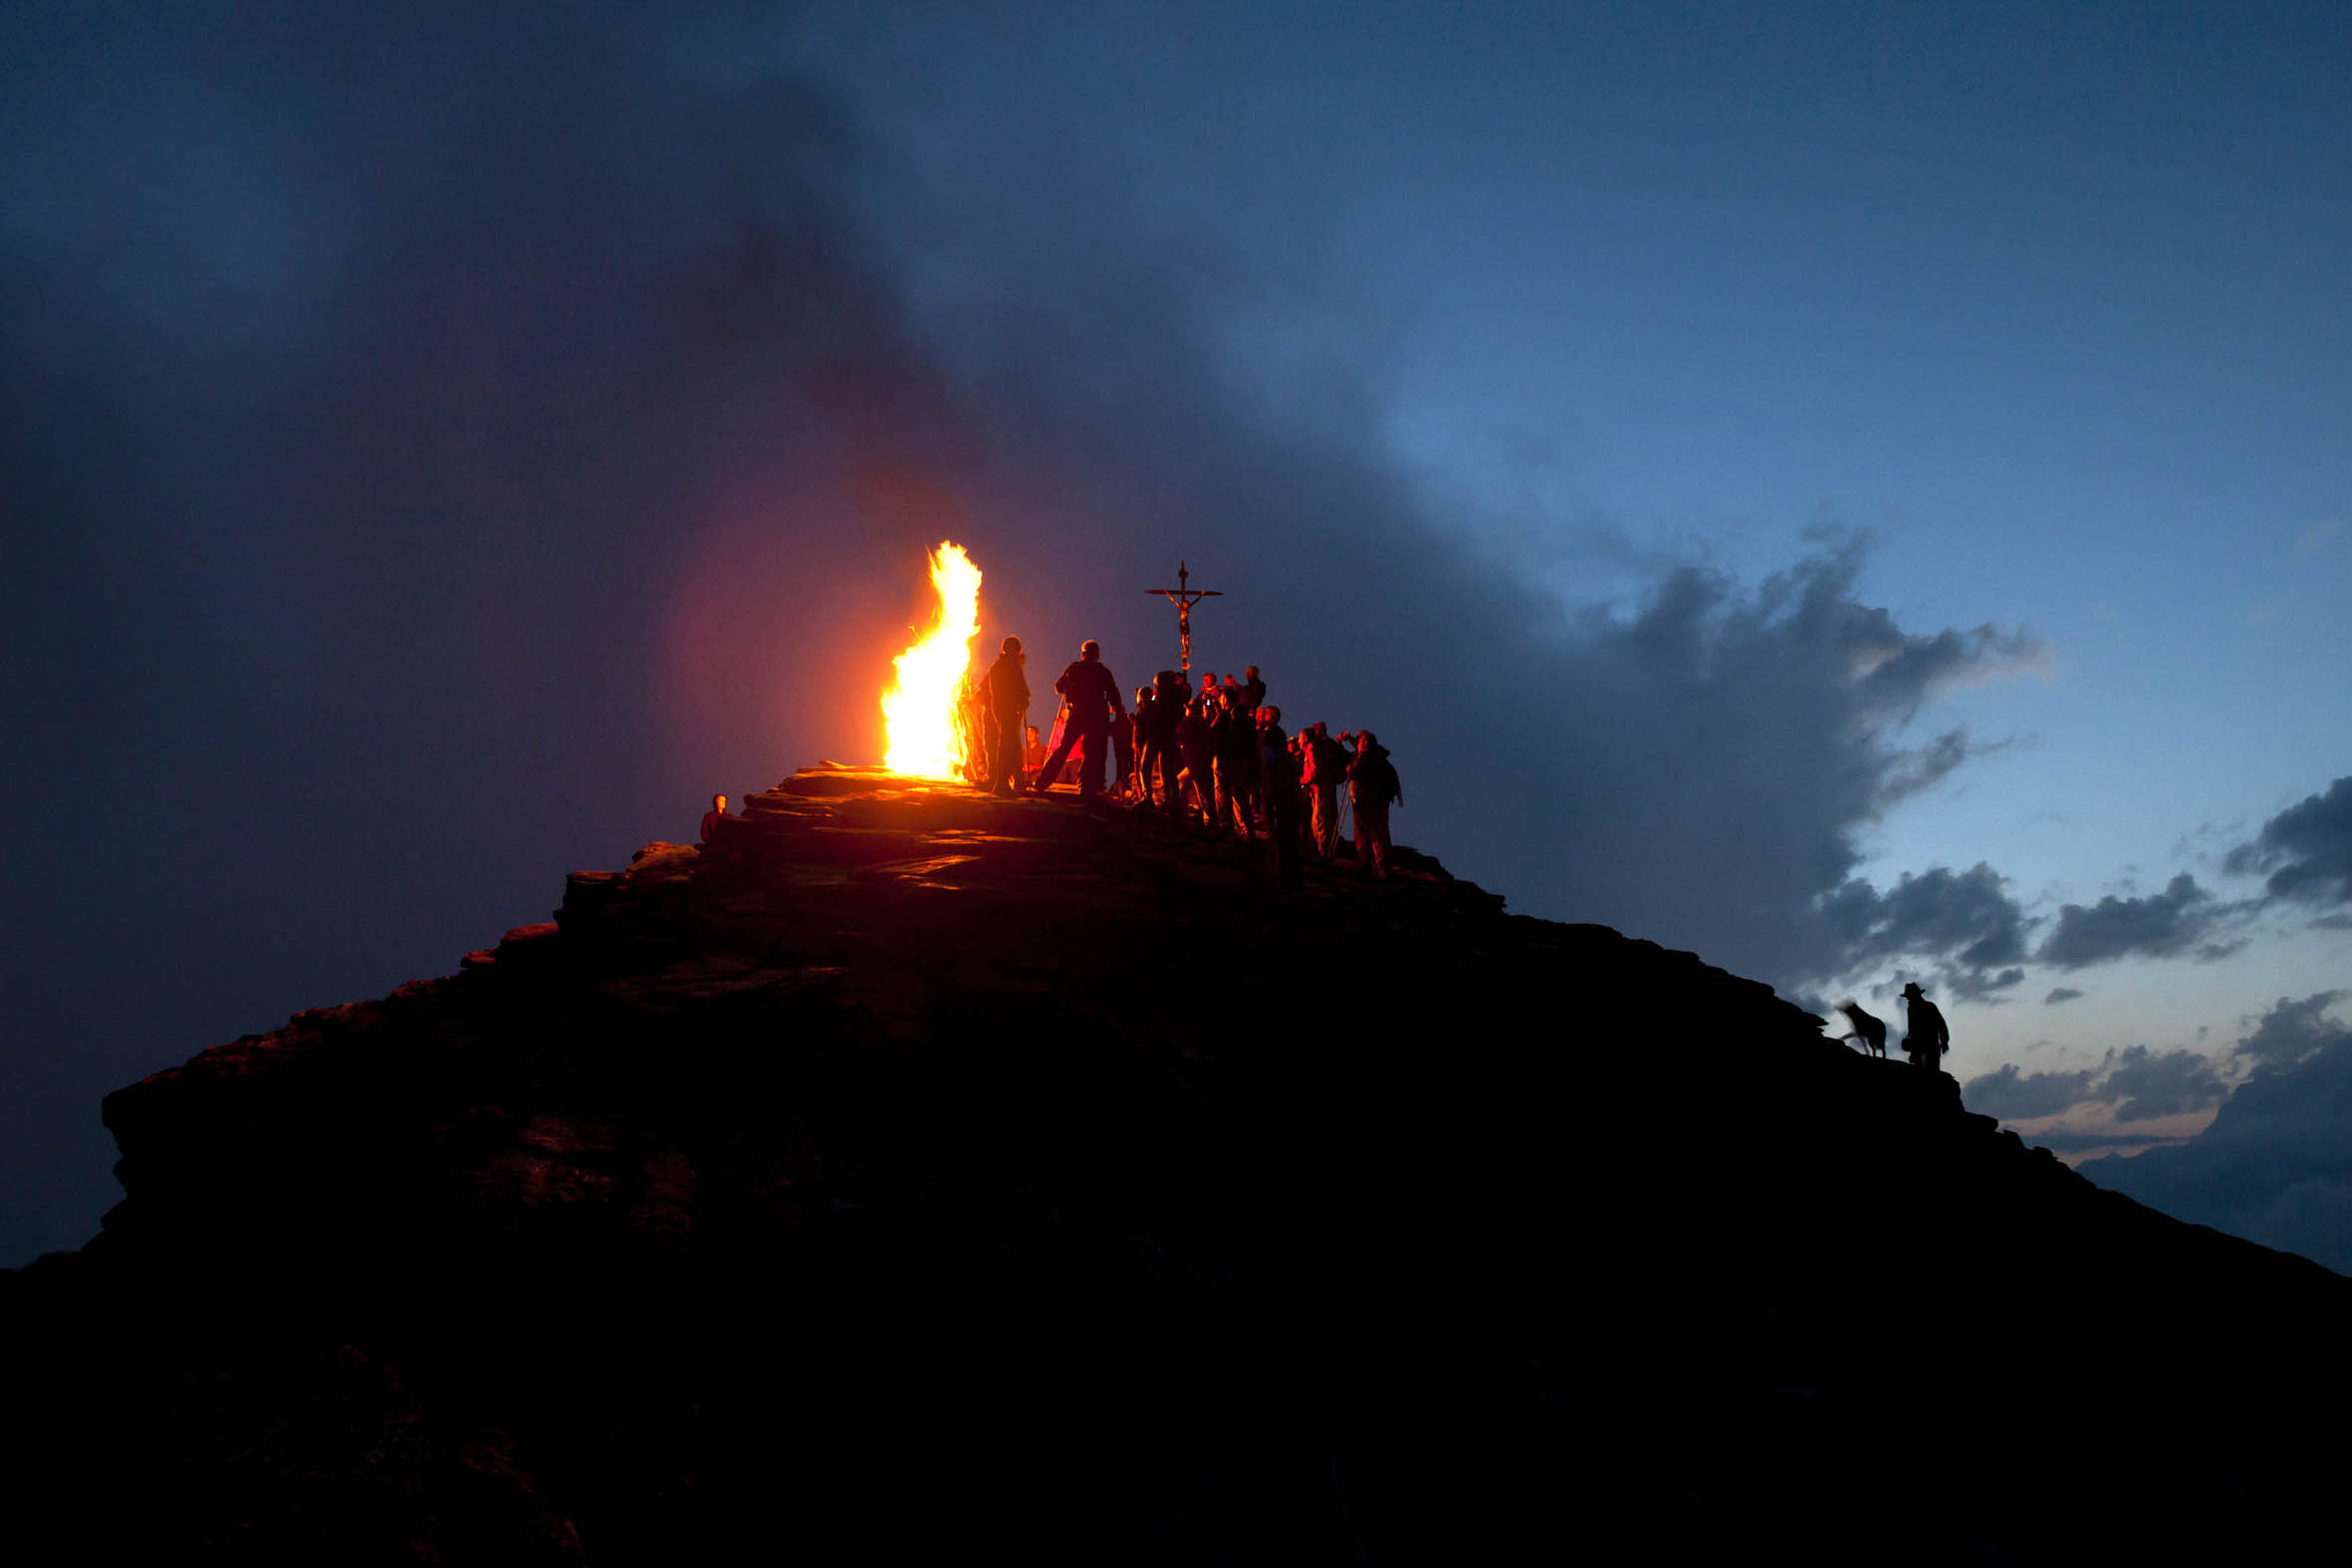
point(1872, 1032)
point(1929, 1037)
point(1092, 692)
point(1006, 684)
point(1122, 747)
point(1372, 786)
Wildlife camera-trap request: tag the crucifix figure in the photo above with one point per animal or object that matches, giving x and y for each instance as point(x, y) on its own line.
point(1184, 598)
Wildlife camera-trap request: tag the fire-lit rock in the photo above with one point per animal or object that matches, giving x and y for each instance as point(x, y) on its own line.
point(916, 1176)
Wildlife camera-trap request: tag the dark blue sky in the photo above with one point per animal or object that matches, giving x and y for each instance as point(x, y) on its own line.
point(1856, 490)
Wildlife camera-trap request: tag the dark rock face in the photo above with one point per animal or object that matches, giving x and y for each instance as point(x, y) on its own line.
point(916, 1175)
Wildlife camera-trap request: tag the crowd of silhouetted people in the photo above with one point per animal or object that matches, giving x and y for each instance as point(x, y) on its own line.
point(1216, 755)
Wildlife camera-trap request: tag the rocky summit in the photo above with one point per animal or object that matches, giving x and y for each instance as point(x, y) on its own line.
point(917, 1176)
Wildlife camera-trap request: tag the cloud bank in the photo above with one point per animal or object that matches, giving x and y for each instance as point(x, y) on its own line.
point(1960, 926)
point(2141, 1083)
point(2160, 925)
point(2275, 1165)
point(447, 446)
point(2307, 851)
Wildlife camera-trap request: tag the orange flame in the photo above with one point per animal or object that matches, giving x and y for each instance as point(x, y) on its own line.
point(920, 706)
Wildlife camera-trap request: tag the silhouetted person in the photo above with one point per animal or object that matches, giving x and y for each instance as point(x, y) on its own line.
point(1193, 747)
point(1253, 687)
point(1157, 709)
point(1122, 749)
point(1008, 700)
point(1372, 788)
point(1930, 1037)
point(1277, 775)
point(1322, 767)
point(1872, 1032)
point(1234, 744)
point(1092, 692)
point(713, 817)
point(1032, 755)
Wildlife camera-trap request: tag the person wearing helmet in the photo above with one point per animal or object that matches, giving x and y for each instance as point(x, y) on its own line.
point(1007, 686)
point(1092, 692)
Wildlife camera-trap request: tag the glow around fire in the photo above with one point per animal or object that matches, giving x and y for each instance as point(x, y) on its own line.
point(920, 706)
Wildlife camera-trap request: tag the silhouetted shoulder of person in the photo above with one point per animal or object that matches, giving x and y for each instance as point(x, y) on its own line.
point(1370, 775)
point(1089, 686)
point(1008, 679)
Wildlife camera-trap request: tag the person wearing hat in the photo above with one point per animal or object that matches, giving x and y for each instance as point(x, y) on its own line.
point(1092, 692)
point(1928, 1038)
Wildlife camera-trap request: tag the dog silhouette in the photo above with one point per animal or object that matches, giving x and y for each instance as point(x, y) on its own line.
point(1872, 1032)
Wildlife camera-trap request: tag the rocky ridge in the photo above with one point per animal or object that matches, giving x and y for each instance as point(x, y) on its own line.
point(916, 1172)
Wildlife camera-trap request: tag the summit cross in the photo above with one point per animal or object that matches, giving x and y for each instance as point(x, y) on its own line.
point(1184, 598)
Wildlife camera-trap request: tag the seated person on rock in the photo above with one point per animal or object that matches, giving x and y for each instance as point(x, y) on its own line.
point(713, 817)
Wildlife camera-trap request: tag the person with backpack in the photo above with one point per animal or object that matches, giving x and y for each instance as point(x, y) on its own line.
point(1322, 764)
point(1278, 776)
point(1372, 786)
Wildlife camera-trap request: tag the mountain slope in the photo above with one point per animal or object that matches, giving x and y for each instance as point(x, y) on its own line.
point(915, 1172)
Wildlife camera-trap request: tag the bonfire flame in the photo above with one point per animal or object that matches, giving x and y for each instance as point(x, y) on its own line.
point(920, 706)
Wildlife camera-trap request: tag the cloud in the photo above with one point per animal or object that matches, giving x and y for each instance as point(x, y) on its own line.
point(2060, 994)
point(2159, 925)
point(2292, 1029)
point(1964, 922)
point(551, 404)
point(2061, 1140)
point(2276, 1165)
point(2306, 850)
point(1985, 990)
point(1925, 767)
point(2142, 1084)
point(2015, 1098)
point(2147, 1083)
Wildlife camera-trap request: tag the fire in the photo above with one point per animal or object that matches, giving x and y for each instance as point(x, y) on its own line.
point(920, 706)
